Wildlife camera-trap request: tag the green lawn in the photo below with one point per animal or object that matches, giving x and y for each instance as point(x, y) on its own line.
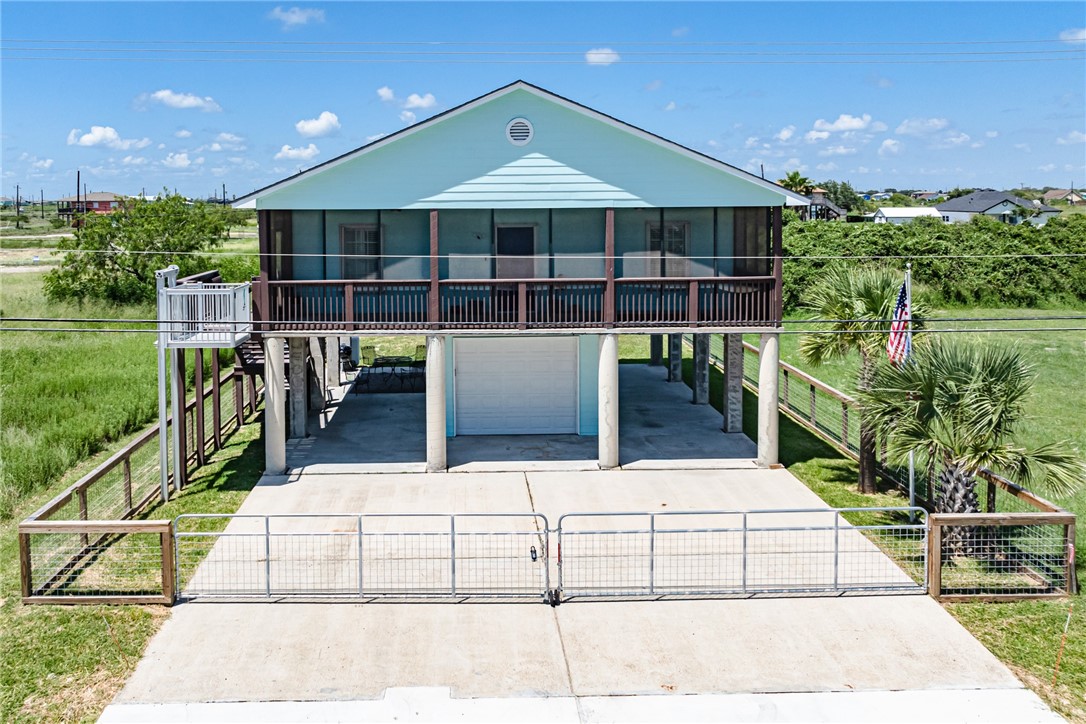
point(68, 662)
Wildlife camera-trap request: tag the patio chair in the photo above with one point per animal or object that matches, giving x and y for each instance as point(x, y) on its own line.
point(366, 357)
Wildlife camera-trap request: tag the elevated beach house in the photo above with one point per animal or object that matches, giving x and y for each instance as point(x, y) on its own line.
point(522, 233)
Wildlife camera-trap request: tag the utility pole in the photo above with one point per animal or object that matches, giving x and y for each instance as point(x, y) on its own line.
point(42, 203)
point(224, 194)
point(17, 206)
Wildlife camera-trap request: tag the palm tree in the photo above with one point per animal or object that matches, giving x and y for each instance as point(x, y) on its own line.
point(797, 182)
point(860, 303)
point(958, 406)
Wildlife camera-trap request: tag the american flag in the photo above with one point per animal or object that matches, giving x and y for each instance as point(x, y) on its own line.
point(899, 346)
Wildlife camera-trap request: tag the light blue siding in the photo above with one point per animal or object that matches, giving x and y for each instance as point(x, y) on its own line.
point(578, 243)
point(465, 161)
point(588, 376)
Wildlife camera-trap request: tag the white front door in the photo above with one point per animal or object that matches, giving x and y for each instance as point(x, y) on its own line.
point(516, 385)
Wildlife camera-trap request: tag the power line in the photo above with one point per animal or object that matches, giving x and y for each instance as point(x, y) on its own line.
point(598, 41)
point(925, 320)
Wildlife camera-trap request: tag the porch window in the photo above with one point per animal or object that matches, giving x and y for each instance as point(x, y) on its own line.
point(752, 248)
point(361, 248)
point(668, 245)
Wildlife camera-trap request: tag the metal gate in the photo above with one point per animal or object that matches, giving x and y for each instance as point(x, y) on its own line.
point(362, 556)
point(507, 556)
point(718, 553)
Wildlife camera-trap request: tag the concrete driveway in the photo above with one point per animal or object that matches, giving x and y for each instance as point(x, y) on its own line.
point(578, 661)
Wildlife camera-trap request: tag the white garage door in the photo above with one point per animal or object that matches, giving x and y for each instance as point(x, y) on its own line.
point(516, 386)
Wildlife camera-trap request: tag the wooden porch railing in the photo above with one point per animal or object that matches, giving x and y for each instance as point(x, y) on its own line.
point(473, 304)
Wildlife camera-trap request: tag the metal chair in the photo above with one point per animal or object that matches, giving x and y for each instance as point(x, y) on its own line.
point(366, 357)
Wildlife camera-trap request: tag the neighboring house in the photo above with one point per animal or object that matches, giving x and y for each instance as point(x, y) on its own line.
point(928, 196)
point(96, 202)
point(6, 202)
point(1000, 205)
point(904, 214)
point(821, 208)
point(522, 233)
point(881, 196)
point(1068, 195)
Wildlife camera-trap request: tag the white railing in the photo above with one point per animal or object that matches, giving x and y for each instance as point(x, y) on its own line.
point(207, 315)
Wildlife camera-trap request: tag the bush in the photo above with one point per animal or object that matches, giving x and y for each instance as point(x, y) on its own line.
point(958, 263)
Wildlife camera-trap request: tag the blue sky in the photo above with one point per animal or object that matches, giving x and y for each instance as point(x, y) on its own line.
point(194, 95)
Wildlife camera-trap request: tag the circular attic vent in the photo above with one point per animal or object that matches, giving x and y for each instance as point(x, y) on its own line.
point(519, 131)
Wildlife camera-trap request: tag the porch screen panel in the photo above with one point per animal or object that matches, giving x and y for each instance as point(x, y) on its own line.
point(668, 249)
point(752, 247)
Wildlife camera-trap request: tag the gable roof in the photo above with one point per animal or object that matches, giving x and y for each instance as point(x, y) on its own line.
point(907, 212)
point(788, 198)
point(94, 196)
point(1056, 194)
point(980, 201)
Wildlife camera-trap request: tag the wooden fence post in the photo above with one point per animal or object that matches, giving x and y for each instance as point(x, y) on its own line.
point(81, 495)
point(25, 572)
point(216, 401)
point(935, 558)
point(1072, 575)
point(127, 485)
point(199, 429)
point(252, 393)
point(239, 395)
point(814, 397)
point(169, 582)
point(844, 424)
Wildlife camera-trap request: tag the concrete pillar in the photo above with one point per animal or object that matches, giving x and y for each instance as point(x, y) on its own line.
point(317, 390)
point(733, 383)
point(608, 401)
point(674, 358)
point(436, 460)
point(656, 350)
point(275, 408)
point(768, 366)
point(701, 369)
point(332, 366)
point(298, 401)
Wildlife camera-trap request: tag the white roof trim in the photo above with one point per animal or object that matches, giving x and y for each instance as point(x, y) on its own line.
point(790, 198)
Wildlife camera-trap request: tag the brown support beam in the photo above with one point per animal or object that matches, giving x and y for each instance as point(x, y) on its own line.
point(609, 269)
point(778, 253)
point(252, 392)
point(435, 289)
point(692, 304)
point(168, 582)
point(179, 390)
point(199, 436)
point(25, 571)
point(216, 400)
point(239, 396)
point(261, 308)
point(522, 305)
point(935, 559)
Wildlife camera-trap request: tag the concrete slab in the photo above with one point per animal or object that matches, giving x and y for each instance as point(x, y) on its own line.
point(436, 705)
point(659, 429)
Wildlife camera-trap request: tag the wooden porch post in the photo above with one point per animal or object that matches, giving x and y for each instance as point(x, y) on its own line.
point(609, 269)
point(435, 289)
point(216, 401)
point(199, 436)
point(778, 252)
point(262, 310)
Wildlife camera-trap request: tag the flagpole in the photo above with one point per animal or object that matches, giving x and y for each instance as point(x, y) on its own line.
point(909, 346)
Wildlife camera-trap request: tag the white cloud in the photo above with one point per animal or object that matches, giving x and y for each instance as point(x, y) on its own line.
point(713, 143)
point(173, 99)
point(407, 117)
point(161, 146)
point(863, 169)
point(828, 166)
point(670, 106)
point(133, 161)
point(795, 164)
point(1073, 35)
point(106, 136)
point(43, 164)
point(1047, 168)
point(1071, 138)
point(385, 93)
point(991, 134)
point(921, 126)
point(952, 139)
point(812, 136)
point(751, 142)
point(654, 85)
point(680, 32)
point(785, 133)
point(844, 122)
point(296, 16)
point(416, 101)
point(837, 151)
point(177, 160)
point(183, 133)
point(1024, 147)
point(601, 56)
point(890, 147)
point(878, 127)
point(301, 153)
point(327, 122)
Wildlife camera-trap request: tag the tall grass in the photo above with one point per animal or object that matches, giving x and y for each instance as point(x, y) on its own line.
point(65, 395)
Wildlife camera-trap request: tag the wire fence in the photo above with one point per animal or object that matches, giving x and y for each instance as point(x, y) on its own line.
point(1029, 554)
point(363, 556)
point(715, 553)
point(86, 542)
